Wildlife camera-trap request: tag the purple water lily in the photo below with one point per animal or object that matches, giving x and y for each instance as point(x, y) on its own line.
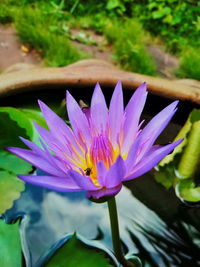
point(104, 147)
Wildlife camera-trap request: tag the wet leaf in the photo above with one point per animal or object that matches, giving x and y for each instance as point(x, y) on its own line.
point(10, 252)
point(10, 189)
point(76, 253)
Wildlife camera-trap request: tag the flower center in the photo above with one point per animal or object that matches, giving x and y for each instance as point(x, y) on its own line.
point(101, 150)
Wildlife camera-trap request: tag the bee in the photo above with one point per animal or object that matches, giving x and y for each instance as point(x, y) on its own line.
point(88, 171)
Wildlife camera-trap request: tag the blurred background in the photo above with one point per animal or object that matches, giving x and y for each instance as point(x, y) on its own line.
point(158, 38)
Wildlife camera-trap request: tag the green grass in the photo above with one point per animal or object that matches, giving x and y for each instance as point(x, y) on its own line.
point(189, 64)
point(5, 13)
point(41, 31)
point(45, 25)
point(129, 41)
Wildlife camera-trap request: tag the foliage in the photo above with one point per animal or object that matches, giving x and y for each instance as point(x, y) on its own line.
point(180, 168)
point(178, 22)
point(5, 15)
point(75, 253)
point(40, 30)
point(129, 44)
point(10, 252)
point(45, 25)
point(189, 63)
point(14, 123)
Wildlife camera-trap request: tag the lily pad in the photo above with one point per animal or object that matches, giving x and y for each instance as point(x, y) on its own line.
point(35, 115)
point(10, 189)
point(76, 253)
point(13, 124)
point(10, 252)
point(15, 115)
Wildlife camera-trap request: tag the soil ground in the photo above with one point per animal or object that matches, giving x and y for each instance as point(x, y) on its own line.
point(13, 52)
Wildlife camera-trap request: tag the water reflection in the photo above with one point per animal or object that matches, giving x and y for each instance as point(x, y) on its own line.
point(51, 215)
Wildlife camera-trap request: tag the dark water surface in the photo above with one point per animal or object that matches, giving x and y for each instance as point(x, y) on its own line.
point(164, 232)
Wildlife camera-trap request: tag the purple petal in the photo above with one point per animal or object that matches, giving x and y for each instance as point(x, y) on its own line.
point(101, 170)
point(57, 126)
point(83, 182)
point(36, 160)
point(132, 116)
point(86, 111)
point(99, 111)
point(77, 118)
point(115, 174)
point(153, 129)
point(116, 112)
point(62, 184)
point(152, 160)
point(132, 156)
point(104, 192)
point(46, 155)
point(55, 145)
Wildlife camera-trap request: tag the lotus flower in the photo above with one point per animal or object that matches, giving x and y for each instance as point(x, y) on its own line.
point(104, 148)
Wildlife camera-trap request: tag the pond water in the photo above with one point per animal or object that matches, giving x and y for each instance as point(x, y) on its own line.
point(164, 232)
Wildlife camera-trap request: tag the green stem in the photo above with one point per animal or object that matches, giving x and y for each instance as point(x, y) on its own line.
point(115, 233)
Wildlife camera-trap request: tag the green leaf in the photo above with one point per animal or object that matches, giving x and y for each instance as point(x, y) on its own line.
point(36, 116)
point(10, 130)
point(75, 253)
point(162, 12)
point(14, 123)
point(10, 252)
point(10, 189)
point(190, 158)
point(13, 164)
point(165, 176)
point(17, 116)
point(193, 117)
point(187, 190)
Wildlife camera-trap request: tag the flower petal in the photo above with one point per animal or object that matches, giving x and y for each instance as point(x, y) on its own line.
point(62, 184)
point(57, 126)
point(116, 112)
point(83, 182)
point(153, 129)
point(101, 170)
point(132, 156)
point(99, 110)
point(104, 192)
point(77, 118)
point(115, 174)
point(152, 160)
point(56, 146)
point(46, 155)
point(132, 116)
point(35, 159)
